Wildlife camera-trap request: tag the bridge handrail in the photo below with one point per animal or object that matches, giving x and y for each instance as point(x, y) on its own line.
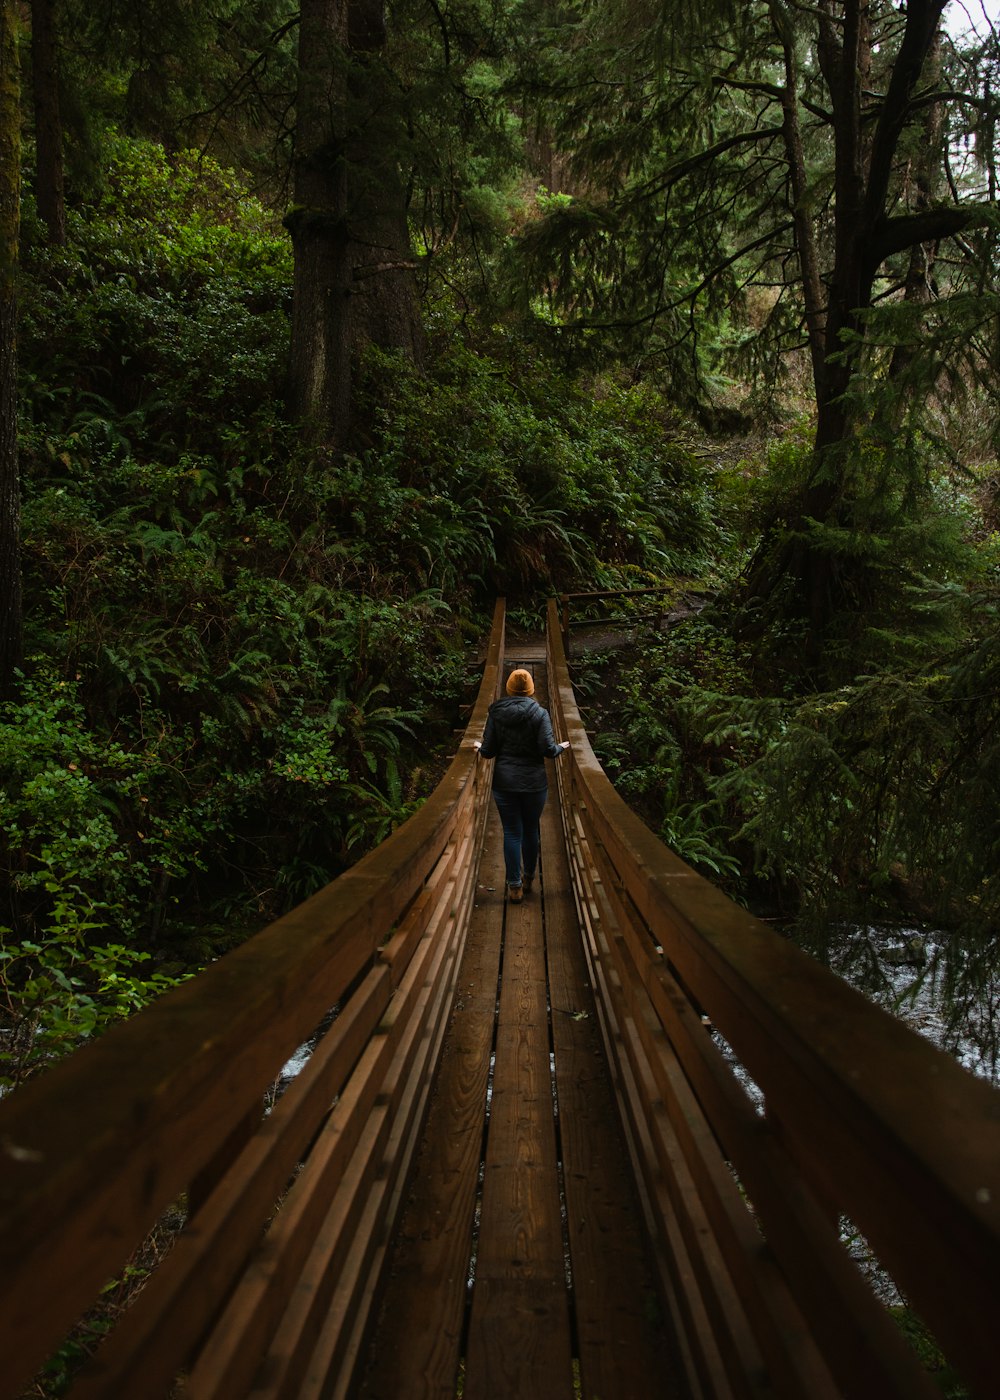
point(860, 1118)
point(566, 599)
point(93, 1151)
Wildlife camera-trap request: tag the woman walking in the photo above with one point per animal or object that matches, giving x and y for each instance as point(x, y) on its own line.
point(519, 736)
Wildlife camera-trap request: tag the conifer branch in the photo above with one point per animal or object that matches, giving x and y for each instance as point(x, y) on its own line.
point(905, 230)
point(682, 168)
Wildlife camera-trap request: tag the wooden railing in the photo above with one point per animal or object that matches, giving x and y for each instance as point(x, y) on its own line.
point(171, 1106)
point(668, 593)
point(858, 1118)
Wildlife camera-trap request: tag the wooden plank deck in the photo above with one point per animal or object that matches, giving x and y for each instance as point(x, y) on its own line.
point(520, 1269)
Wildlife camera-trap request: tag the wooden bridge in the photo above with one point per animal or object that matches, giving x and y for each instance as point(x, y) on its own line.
point(518, 1162)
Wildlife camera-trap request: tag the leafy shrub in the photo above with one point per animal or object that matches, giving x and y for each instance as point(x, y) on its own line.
point(165, 317)
point(87, 852)
point(901, 518)
point(869, 803)
point(647, 734)
point(520, 480)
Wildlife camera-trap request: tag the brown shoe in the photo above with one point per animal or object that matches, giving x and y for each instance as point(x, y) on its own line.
point(515, 894)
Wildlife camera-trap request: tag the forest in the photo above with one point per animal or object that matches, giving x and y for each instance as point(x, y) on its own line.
point(323, 324)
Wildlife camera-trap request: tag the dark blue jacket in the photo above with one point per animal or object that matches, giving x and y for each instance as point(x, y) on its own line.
point(519, 736)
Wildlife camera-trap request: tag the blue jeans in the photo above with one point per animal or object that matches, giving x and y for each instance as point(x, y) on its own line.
point(520, 813)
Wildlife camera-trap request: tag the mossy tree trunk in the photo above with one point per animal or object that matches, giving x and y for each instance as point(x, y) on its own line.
point(867, 231)
point(353, 264)
point(319, 371)
point(10, 215)
point(383, 305)
point(49, 184)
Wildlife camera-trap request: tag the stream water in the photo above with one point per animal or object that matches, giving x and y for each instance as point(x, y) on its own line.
point(904, 972)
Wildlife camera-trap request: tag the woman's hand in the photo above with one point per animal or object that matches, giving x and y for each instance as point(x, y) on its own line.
point(564, 744)
point(477, 743)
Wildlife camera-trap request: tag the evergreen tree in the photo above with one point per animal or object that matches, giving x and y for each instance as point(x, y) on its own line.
point(353, 264)
point(319, 372)
point(10, 185)
point(875, 217)
point(793, 162)
point(49, 179)
point(383, 130)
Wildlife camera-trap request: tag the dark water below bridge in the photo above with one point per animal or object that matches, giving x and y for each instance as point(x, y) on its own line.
point(906, 972)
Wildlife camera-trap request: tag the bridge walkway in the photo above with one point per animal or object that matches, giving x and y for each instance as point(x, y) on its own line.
point(521, 1266)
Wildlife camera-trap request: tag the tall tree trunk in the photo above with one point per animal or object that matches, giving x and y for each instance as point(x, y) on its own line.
point(843, 56)
point(864, 157)
point(813, 292)
point(923, 181)
point(49, 191)
point(10, 216)
point(353, 264)
point(320, 368)
point(862, 187)
point(384, 305)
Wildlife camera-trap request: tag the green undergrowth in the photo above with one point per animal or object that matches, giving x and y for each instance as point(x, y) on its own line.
point(505, 475)
point(828, 811)
point(245, 662)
